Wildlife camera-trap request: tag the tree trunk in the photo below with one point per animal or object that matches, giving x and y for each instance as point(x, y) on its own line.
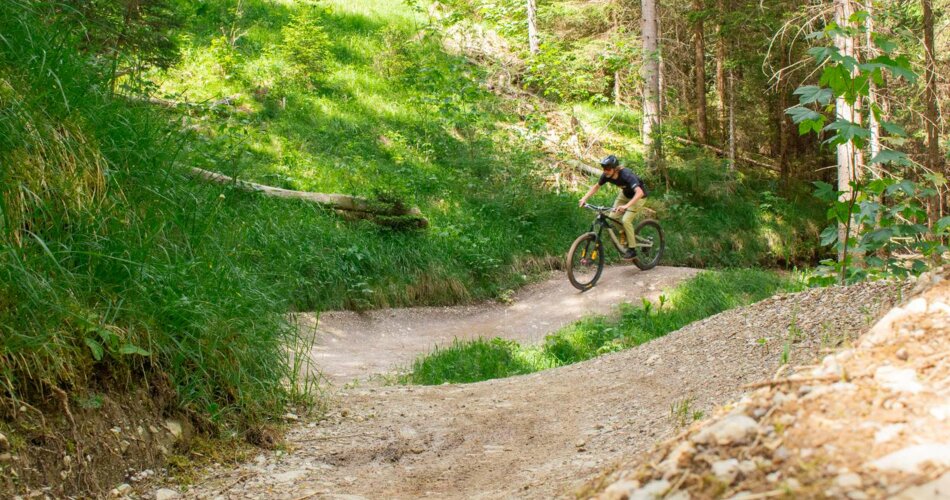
point(931, 116)
point(847, 167)
point(380, 212)
point(721, 68)
point(533, 44)
point(699, 64)
point(650, 72)
point(732, 121)
point(874, 140)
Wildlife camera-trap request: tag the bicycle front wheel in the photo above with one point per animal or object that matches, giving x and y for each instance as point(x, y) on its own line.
point(585, 261)
point(650, 244)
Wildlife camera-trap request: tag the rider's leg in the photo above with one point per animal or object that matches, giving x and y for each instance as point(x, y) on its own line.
point(627, 219)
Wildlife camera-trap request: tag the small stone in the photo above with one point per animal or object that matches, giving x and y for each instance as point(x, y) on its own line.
point(4, 443)
point(781, 454)
point(651, 491)
point(849, 481)
point(124, 446)
point(805, 389)
point(580, 444)
point(941, 412)
point(734, 429)
point(901, 354)
point(793, 484)
point(898, 379)
point(620, 489)
point(122, 489)
point(5, 457)
point(166, 494)
point(345, 412)
point(174, 427)
point(858, 495)
point(934, 490)
point(292, 417)
point(747, 467)
point(773, 477)
point(153, 429)
point(910, 459)
point(726, 470)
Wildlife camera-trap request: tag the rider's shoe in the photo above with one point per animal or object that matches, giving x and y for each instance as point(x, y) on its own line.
point(630, 254)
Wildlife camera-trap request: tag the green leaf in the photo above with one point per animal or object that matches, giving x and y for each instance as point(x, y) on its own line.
point(893, 128)
point(869, 211)
point(825, 191)
point(908, 187)
point(800, 114)
point(943, 224)
point(829, 236)
point(95, 347)
point(890, 156)
point(129, 349)
point(808, 94)
point(846, 131)
point(822, 54)
point(884, 43)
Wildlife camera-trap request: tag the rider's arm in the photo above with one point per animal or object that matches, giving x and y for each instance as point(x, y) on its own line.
point(590, 192)
point(637, 194)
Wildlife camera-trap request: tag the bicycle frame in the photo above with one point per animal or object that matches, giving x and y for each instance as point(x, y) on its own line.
point(604, 221)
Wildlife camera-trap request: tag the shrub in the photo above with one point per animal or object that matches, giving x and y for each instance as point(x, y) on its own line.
point(306, 43)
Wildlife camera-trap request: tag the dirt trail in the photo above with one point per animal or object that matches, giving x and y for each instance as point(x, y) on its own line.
point(542, 435)
point(352, 345)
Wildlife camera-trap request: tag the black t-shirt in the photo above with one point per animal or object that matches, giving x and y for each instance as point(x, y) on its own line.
point(627, 180)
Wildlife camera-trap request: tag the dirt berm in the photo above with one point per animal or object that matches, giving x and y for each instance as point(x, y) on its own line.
point(550, 433)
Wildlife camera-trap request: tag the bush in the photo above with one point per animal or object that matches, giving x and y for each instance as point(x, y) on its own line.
point(306, 43)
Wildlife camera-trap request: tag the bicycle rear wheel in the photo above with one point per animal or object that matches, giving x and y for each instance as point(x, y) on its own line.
point(650, 244)
point(585, 261)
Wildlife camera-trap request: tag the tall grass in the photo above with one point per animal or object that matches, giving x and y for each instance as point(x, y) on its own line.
point(702, 296)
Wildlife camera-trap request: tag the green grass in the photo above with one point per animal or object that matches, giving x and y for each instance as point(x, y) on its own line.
point(117, 267)
point(702, 296)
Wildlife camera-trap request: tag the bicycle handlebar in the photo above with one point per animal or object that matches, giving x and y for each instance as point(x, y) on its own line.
point(598, 208)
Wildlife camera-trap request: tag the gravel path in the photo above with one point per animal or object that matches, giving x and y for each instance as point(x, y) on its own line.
point(352, 345)
point(544, 434)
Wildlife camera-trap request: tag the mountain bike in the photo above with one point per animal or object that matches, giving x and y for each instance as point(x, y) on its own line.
point(585, 259)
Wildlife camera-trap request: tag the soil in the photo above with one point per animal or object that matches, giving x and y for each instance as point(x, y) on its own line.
point(545, 434)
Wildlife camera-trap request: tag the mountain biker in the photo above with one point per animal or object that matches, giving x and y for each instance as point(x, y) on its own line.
point(631, 190)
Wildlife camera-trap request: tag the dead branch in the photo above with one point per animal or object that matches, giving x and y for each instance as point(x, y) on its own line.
point(388, 214)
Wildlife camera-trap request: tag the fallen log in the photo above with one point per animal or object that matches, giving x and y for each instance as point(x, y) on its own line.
point(723, 152)
point(382, 212)
point(583, 167)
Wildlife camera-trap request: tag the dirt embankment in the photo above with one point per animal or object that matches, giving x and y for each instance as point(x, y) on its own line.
point(867, 422)
point(549, 433)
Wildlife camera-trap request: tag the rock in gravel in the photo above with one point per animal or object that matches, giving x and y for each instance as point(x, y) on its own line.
point(734, 429)
point(621, 490)
point(934, 490)
point(911, 458)
point(726, 470)
point(121, 490)
point(4, 443)
point(174, 428)
point(651, 491)
point(898, 379)
point(677, 458)
point(166, 494)
point(848, 481)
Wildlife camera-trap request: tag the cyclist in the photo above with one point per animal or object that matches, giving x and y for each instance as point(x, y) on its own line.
point(631, 190)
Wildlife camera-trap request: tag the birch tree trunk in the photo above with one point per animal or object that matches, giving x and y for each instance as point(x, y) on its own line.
point(847, 155)
point(874, 141)
point(721, 68)
point(699, 46)
point(533, 44)
point(932, 115)
point(650, 72)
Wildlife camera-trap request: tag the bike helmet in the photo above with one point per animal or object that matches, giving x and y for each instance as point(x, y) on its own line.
point(610, 162)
